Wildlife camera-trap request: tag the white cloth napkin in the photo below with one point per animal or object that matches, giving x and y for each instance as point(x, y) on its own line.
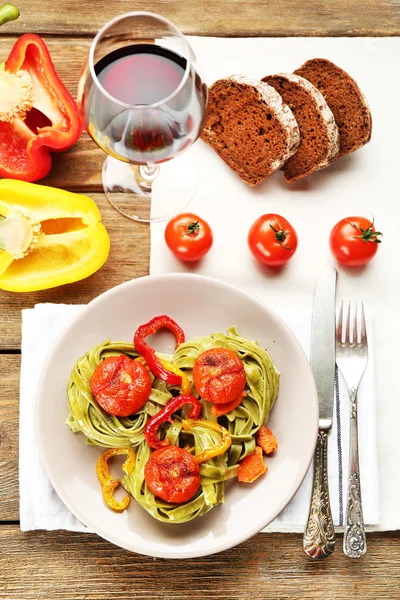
point(40, 506)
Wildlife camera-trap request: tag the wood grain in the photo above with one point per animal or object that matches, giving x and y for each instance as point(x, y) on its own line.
point(78, 169)
point(128, 259)
point(60, 565)
point(9, 404)
point(225, 17)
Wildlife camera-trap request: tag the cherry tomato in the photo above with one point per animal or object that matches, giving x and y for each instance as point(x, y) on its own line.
point(120, 385)
point(272, 240)
point(188, 237)
point(354, 241)
point(172, 474)
point(219, 375)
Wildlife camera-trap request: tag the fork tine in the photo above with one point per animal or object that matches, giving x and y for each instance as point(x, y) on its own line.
point(339, 327)
point(363, 337)
point(347, 337)
point(356, 328)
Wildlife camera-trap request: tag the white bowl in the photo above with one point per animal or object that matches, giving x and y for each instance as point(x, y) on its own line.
point(201, 306)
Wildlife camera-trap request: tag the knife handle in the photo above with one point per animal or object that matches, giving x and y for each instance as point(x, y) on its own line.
point(319, 535)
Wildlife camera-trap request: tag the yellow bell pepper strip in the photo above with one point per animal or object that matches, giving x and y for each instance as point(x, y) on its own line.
point(48, 237)
point(108, 483)
point(215, 450)
point(186, 386)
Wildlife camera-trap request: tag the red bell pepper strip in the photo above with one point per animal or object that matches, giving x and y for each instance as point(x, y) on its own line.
point(37, 113)
point(148, 353)
point(150, 430)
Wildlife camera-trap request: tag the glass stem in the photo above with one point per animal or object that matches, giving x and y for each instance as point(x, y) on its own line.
point(149, 172)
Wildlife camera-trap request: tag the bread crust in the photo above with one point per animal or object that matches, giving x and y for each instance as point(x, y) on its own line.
point(326, 123)
point(345, 99)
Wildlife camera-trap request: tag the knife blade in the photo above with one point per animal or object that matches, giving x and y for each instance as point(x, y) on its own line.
point(323, 345)
point(319, 535)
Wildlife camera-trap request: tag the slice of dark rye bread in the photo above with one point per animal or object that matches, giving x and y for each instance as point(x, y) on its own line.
point(319, 136)
point(344, 98)
point(250, 127)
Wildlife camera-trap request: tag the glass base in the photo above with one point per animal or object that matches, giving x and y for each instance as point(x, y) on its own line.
point(141, 195)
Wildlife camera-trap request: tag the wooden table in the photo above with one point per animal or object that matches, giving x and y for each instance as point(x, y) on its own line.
point(77, 566)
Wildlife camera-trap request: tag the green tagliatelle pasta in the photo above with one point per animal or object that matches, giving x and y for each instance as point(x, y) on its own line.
point(102, 429)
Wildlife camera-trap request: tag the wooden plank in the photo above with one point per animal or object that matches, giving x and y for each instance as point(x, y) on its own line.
point(78, 169)
point(62, 565)
point(128, 259)
point(9, 403)
point(225, 17)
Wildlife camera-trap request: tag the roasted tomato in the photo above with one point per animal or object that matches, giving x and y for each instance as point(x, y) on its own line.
point(120, 385)
point(172, 474)
point(219, 375)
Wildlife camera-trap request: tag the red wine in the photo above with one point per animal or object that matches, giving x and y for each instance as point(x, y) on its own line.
point(153, 108)
point(141, 74)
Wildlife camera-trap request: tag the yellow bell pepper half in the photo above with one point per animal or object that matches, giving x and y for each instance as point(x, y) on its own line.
point(48, 237)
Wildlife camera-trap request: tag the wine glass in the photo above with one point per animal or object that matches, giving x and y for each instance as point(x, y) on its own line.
point(143, 103)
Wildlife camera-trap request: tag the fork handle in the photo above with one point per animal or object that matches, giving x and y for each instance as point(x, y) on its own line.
point(354, 540)
point(319, 535)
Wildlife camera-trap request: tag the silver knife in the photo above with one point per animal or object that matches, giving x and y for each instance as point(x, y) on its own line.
point(319, 535)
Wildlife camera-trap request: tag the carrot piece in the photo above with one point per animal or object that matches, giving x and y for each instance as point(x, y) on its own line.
point(266, 439)
point(222, 409)
point(252, 467)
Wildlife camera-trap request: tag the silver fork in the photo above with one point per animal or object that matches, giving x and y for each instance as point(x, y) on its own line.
point(351, 359)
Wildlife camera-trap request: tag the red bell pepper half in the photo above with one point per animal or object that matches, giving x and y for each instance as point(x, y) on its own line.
point(37, 113)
